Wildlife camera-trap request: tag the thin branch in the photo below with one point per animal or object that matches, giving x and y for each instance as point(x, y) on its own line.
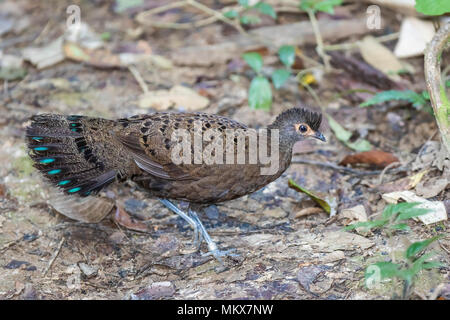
point(333, 166)
point(320, 51)
point(353, 45)
point(436, 89)
point(144, 17)
point(217, 14)
point(55, 255)
point(135, 72)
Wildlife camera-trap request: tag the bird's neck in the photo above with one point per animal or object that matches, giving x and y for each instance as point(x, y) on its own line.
point(284, 147)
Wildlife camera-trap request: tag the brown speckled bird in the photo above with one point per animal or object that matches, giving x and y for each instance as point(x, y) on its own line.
point(81, 155)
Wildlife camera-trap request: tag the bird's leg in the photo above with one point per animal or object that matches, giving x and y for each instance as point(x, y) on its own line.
point(212, 246)
point(192, 222)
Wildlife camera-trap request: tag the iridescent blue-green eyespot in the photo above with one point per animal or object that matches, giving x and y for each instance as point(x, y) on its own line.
point(40, 148)
point(46, 161)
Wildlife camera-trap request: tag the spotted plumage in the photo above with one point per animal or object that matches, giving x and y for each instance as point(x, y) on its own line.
point(81, 155)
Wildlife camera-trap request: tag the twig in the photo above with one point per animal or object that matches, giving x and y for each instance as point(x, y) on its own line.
point(330, 165)
point(50, 263)
point(320, 51)
point(135, 72)
point(436, 89)
point(383, 172)
point(10, 244)
point(314, 95)
point(215, 15)
point(218, 15)
point(352, 45)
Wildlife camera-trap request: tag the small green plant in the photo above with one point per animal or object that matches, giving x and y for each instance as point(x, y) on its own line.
point(414, 261)
point(246, 18)
point(260, 92)
point(320, 5)
point(393, 217)
point(345, 135)
point(418, 100)
point(433, 7)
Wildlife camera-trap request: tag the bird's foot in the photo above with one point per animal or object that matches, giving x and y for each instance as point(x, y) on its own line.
point(201, 234)
point(218, 254)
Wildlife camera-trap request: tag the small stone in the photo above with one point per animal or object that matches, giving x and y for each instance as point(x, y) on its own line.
point(156, 290)
point(117, 237)
point(30, 237)
point(134, 206)
point(29, 293)
point(88, 270)
point(307, 275)
point(15, 264)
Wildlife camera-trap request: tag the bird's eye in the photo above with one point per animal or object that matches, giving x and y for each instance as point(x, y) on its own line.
point(303, 128)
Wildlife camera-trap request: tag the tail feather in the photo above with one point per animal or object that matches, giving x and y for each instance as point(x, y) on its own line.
point(65, 149)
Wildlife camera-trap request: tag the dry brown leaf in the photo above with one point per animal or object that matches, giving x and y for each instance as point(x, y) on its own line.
point(375, 158)
point(45, 56)
point(178, 96)
point(380, 57)
point(101, 58)
point(308, 211)
point(406, 183)
point(414, 36)
point(124, 219)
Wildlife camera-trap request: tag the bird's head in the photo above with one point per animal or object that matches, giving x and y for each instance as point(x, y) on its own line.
point(297, 124)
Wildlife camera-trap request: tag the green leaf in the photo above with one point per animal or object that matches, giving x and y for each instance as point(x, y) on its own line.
point(393, 209)
point(321, 202)
point(368, 225)
point(123, 5)
point(12, 73)
point(287, 55)
point(328, 6)
point(105, 36)
point(433, 7)
point(338, 130)
point(344, 136)
point(266, 8)
point(320, 5)
point(254, 60)
point(400, 226)
point(360, 145)
point(408, 95)
point(279, 77)
point(412, 213)
point(231, 14)
point(260, 94)
point(385, 269)
point(244, 3)
point(417, 247)
point(249, 19)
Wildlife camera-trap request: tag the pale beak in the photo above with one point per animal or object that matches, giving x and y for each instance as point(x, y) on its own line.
point(320, 136)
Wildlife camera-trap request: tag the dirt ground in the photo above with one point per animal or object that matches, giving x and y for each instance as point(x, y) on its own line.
point(282, 254)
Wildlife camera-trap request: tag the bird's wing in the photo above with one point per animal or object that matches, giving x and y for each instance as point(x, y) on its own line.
point(150, 163)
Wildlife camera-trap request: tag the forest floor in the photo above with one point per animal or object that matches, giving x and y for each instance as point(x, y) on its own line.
point(288, 247)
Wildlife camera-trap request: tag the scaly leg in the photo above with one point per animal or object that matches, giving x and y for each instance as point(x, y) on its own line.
point(193, 223)
point(212, 246)
point(200, 232)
